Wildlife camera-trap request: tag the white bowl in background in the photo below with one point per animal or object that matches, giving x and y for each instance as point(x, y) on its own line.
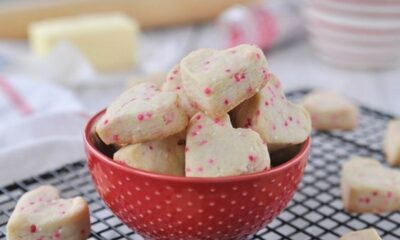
point(355, 33)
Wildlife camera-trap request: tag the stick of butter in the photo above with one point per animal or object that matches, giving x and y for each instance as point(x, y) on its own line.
point(107, 40)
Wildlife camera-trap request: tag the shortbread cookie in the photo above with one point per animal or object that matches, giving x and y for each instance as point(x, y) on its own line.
point(369, 187)
point(330, 111)
point(279, 122)
point(218, 81)
point(215, 149)
point(366, 234)
point(41, 214)
point(142, 113)
point(166, 156)
point(391, 144)
point(173, 82)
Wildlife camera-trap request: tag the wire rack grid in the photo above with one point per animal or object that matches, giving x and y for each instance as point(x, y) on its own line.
point(316, 211)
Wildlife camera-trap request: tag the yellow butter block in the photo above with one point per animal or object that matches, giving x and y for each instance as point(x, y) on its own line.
point(108, 40)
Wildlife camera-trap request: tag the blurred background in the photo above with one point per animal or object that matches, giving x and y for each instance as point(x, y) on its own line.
point(62, 61)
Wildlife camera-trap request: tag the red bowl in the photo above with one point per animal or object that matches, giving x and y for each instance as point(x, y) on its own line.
point(169, 207)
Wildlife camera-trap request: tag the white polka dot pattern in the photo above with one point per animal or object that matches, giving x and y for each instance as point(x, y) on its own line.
point(165, 209)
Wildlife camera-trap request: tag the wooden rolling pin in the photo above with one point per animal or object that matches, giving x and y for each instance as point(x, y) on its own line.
point(16, 15)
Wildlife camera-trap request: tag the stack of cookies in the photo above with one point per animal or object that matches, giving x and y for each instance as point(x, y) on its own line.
point(218, 113)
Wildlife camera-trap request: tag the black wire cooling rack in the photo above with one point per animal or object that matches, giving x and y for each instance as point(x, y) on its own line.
point(316, 211)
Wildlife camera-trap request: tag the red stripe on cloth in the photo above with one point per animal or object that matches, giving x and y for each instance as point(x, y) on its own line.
point(15, 98)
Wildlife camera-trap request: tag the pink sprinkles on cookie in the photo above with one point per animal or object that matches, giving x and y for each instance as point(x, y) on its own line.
point(57, 234)
point(144, 116)
point(266, 75)
point(365, 200)
point(389, 194)
point(239, 76)
point(207, 91)
point(218, 121)
point(252, 158)
point(249, 90)
point(140, 117)
point(195, 133)
point(248, 123)
point(286, 124)
point(115, 137)
point(168, 118)
point(203, 142)
point(33, 228)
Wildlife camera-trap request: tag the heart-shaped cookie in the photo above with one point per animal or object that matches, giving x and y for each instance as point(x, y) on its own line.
point(166, 156)
point(330, 111)
point(278, 121)
point(391, 143)
point(215, 149)
point(173, 83)
point(365, 234)
point(40, 215)
point(369, 187)
point(217, 81)
point(142, 113)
